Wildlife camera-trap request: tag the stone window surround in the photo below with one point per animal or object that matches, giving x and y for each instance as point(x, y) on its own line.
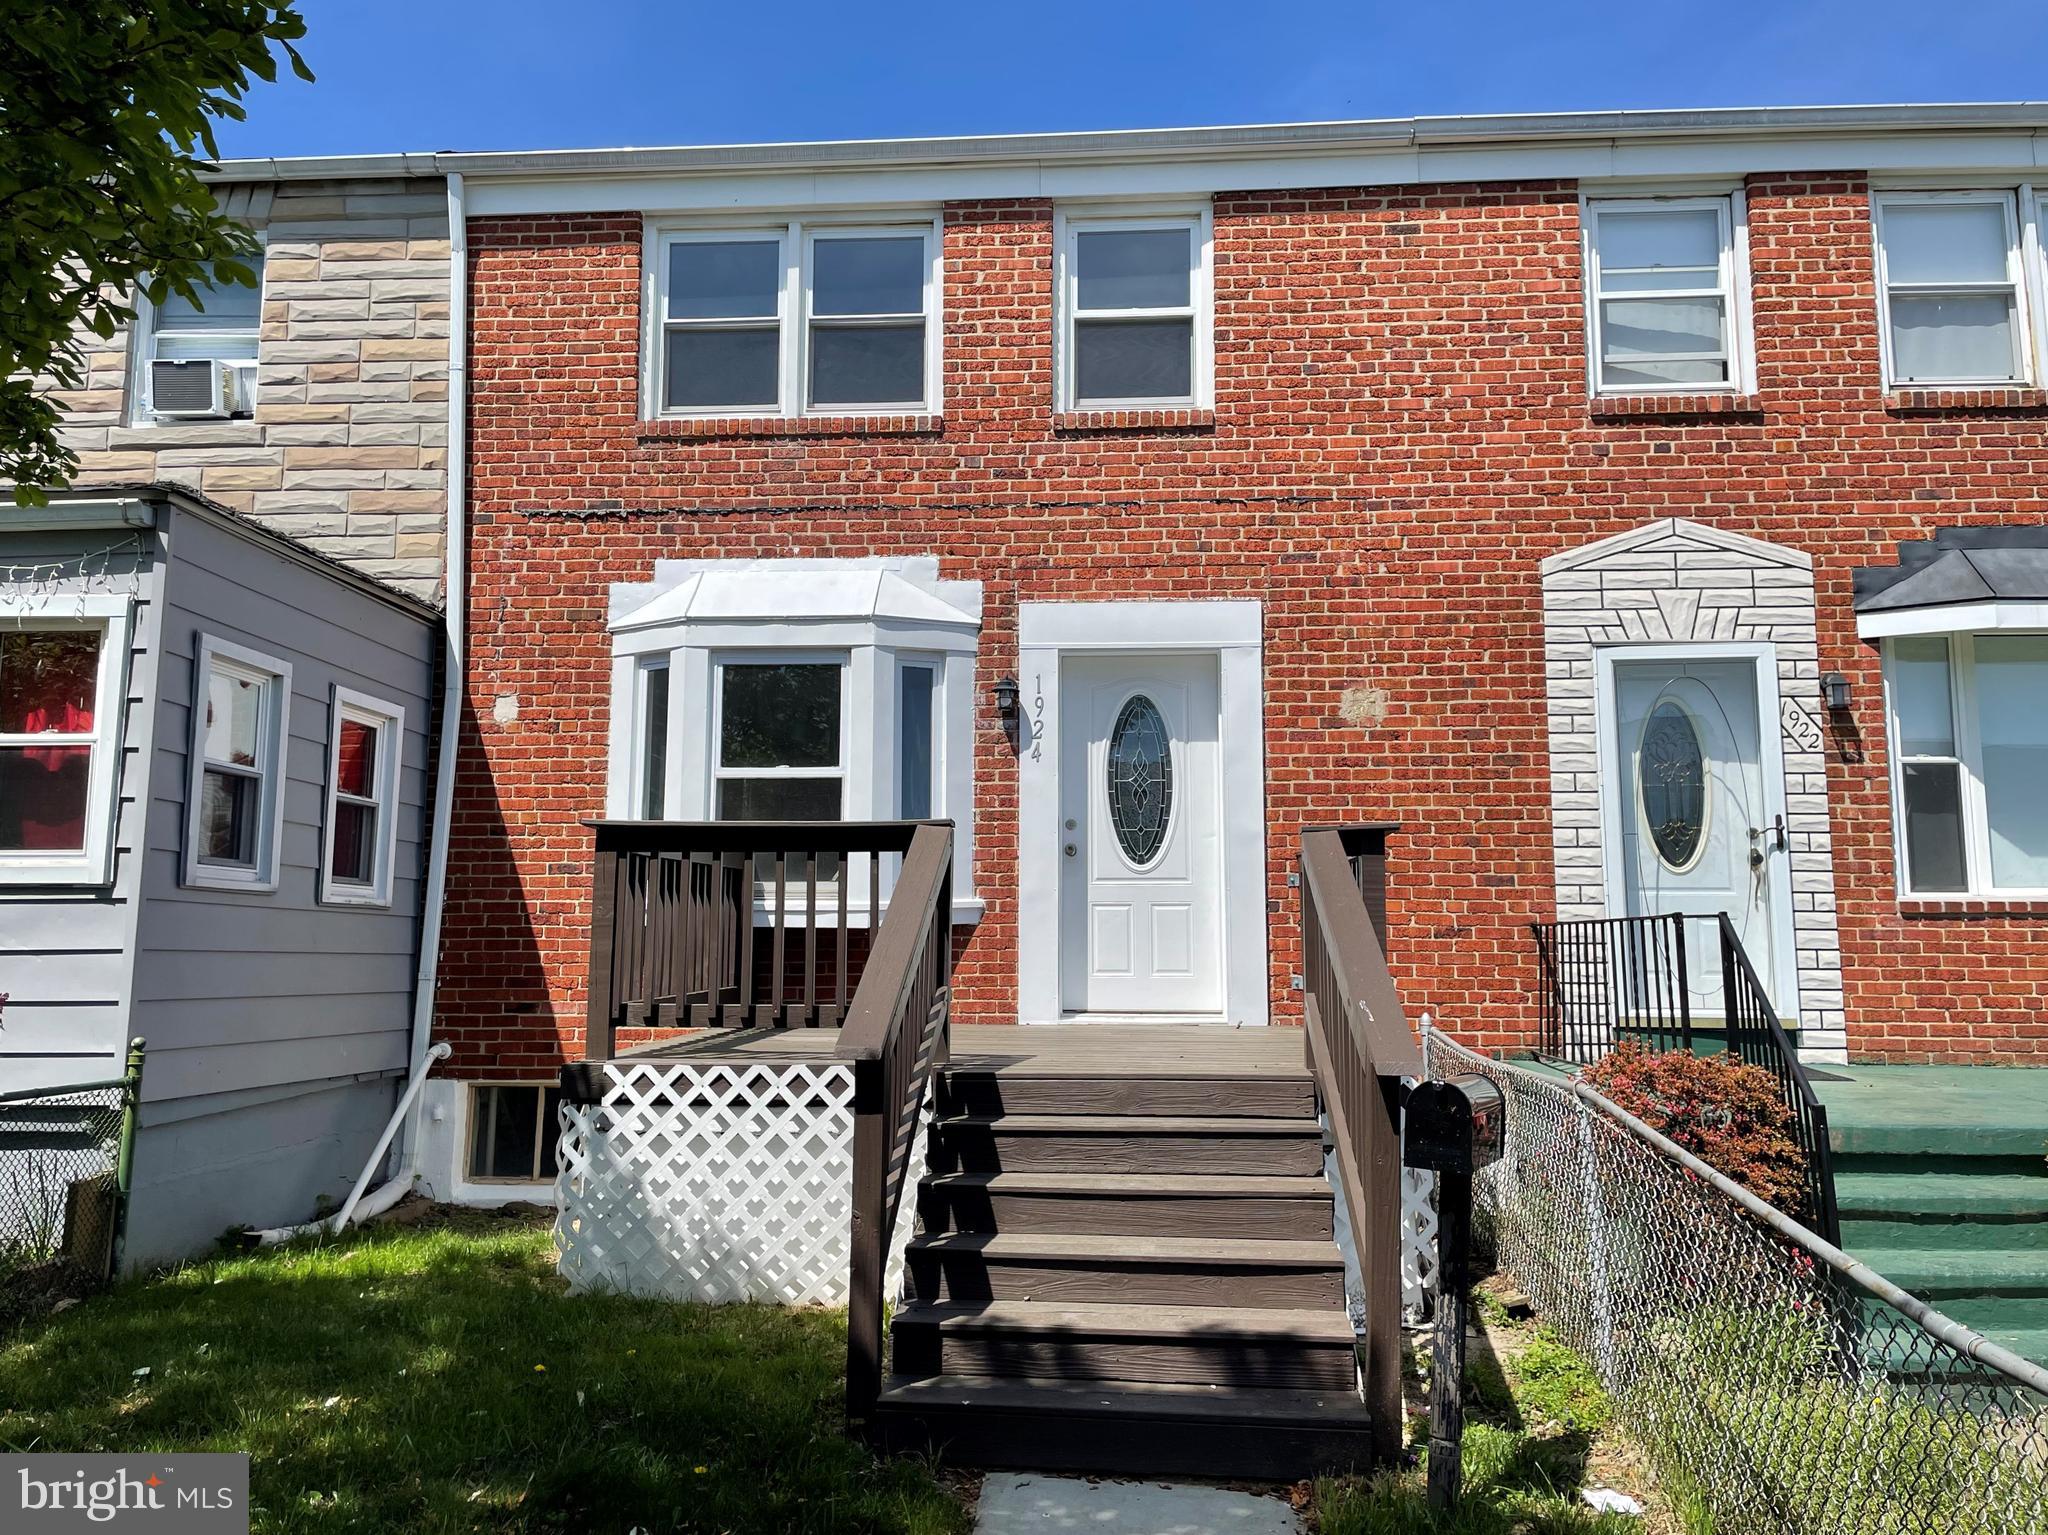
point(1675, 580)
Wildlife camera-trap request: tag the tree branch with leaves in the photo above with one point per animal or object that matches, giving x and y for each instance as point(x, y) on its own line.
point(106, 128)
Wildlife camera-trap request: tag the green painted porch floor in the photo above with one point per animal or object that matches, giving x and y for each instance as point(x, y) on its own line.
point(1943, 1188)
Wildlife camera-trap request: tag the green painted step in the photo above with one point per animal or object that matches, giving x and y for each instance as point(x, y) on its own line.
point(1937, 1275)
point(1961, 1195)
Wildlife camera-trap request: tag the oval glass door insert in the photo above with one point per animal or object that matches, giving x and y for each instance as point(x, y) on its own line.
point(1672, 769)
point(1140, 779)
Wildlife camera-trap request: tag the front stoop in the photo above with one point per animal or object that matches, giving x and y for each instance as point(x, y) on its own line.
point(1126, 1273)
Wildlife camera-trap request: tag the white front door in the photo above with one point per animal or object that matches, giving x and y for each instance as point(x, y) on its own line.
point(1699, 816)
point(1140, 853)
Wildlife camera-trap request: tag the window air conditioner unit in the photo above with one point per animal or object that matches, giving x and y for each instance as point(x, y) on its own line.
point(201, 387)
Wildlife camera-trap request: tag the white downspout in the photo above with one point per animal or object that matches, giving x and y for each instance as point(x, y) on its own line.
point(454, 693)
point(455, 677)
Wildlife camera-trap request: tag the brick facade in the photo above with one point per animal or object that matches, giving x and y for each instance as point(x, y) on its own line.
point(1401, 436)
point(347, 448)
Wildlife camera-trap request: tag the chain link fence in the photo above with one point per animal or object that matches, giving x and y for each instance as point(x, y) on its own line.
point(1780, 1386)
point(66, 1158)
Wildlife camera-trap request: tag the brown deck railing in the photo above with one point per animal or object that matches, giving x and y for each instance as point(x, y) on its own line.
point(1359, 1049)
point(726, 924)
point(895, 1036)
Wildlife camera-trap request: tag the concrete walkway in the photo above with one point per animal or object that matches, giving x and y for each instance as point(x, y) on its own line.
point(1031, 1504)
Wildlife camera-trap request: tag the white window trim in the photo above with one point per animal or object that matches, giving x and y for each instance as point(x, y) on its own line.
point(641, 788)
point(142, 352)
point(276, 740)
point(720, 660)
point(2013, 201)
point(794, 238)
point(1732, 288)
point(113, 616)
point(388, 720)
point(1969, 753)
point(1068, 225)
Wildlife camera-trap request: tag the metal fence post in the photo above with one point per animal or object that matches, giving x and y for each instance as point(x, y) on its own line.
point(124, 1159)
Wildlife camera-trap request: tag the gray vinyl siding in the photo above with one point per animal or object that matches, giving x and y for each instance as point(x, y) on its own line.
point(277, 1025)
point(67, 951)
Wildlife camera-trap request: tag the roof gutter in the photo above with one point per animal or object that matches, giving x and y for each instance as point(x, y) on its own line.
point(1387, 134)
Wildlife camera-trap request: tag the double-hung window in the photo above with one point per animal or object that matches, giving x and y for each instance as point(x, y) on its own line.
point(1969, 733)
point(781, 733)
point(796, 319)
point(235, 796)
point(1666, 295)
point(650, 745)
point(197, 356)
point(1951, 276)
point(362, 799)
point(1134, 302)
point(61, 671)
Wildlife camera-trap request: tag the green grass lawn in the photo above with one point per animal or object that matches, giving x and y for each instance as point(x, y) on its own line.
point(427, 1380)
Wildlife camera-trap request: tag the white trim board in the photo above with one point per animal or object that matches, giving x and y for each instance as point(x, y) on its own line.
point(1233, 631)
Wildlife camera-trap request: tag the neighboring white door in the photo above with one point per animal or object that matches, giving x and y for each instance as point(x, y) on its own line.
point(1140, 864)
point(1700, 827)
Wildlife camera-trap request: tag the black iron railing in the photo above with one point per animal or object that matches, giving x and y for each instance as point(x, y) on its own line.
point(1612, 979)
point(1615, 978)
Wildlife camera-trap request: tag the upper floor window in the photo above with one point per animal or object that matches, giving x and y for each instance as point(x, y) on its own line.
point(196, 357)
point(1969, 733)
point(1950, 271)
point(362, 800)
point(795, 319)
point(61, 669)
point(1134, 311)
point(1666, 295)
point(235, 795)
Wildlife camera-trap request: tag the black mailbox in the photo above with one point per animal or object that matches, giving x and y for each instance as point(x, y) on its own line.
point(1457, 1126)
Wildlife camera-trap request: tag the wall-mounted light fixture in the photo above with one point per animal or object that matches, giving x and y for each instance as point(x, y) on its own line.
point(1006, 700)
point(1834, 692)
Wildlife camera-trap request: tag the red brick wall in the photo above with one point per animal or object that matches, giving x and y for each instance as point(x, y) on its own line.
point(1401, 434)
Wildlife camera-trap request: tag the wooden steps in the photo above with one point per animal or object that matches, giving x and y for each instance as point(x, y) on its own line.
point(1128, 1273)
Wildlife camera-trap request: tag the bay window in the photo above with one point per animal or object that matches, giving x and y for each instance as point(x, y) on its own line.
point(793, 319)
point(235, 793)
point(62, 665)
point(1969, 732)
point(1952, 289)
point(798, 690)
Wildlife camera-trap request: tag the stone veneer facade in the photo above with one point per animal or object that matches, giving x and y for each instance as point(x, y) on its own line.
point(347, 451)
point(1675, 581)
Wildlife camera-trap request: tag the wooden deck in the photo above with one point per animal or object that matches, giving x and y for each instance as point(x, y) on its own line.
point(1075, 1049)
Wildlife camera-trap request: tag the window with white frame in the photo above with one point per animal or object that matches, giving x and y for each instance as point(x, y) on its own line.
point(512, 1134)
point(235, 798)
point(798, 690)
point(207, 346)
point(1666, 305)
point(1969, 731)
point(363, 754)
point(780, 737)
point(1134, 302)
point(62, 664)
point(1952, 284)
point(650, 748)
point(795, 319)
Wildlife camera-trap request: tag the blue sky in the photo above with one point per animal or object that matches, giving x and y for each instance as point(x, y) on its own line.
point(521, 74)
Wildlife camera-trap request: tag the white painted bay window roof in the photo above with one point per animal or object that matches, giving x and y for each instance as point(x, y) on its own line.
point(797, 690)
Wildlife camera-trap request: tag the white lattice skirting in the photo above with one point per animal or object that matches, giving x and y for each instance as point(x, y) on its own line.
point(716, 1183)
